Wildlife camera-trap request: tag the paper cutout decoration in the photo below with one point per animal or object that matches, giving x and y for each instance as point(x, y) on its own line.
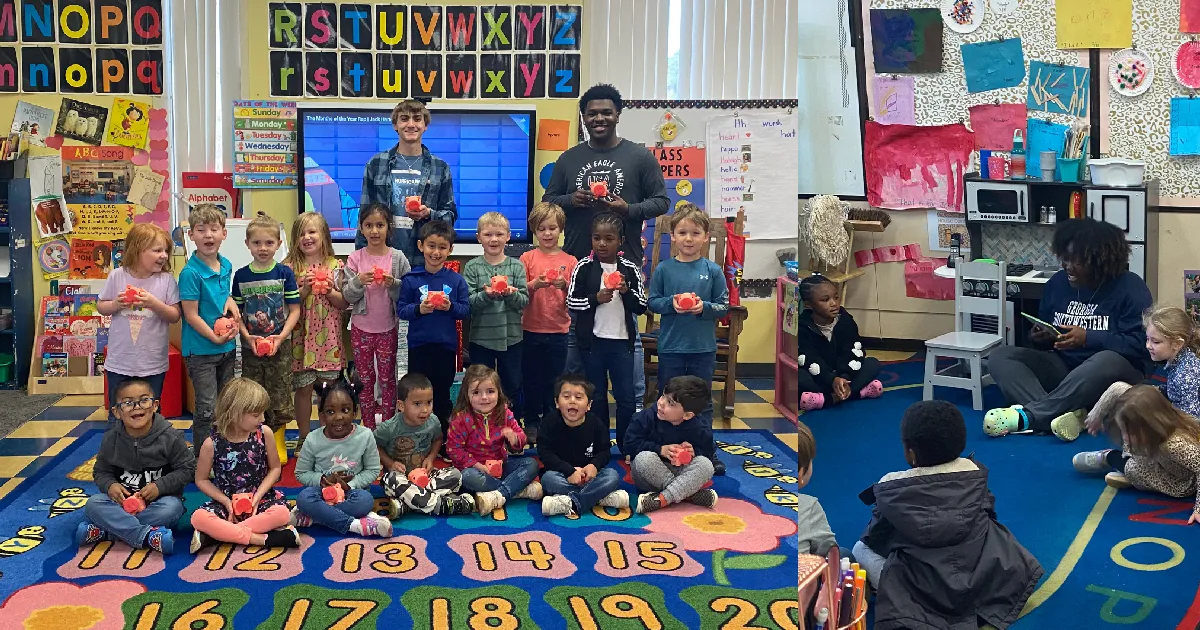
point(993, 65)
point(552, 134)
point(669, 127)
point(917, 167)
point(907, 40)
point(1002, 7)
point(1187, 64)
point(1130, 72)
point(1185, 126)
point(1041, 135)
point(894, 101)
point(1189, 16)
point(1093, 23)
point(921, 282)
point(1058, 88)
point(994, 124)
point(962, 16)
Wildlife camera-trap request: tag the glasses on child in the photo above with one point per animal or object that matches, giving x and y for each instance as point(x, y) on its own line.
point(145, 402)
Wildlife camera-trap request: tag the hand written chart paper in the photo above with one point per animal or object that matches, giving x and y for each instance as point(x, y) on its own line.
point(751, 162)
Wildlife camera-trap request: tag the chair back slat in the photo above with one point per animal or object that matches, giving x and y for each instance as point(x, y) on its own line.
point(980, 314)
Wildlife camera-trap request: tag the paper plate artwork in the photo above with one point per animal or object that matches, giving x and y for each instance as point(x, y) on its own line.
point(962, 16)
point(1187, 64)
point(1002, 7)
point(1130, 72)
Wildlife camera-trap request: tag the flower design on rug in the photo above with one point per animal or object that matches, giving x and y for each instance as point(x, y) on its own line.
point(735, 525)
point(65, 606)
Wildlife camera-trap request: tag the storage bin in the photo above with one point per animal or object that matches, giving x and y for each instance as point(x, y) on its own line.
point(1115, 171)
point(6, 368)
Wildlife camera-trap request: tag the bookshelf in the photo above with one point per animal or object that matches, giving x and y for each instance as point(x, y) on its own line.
point(16, 287)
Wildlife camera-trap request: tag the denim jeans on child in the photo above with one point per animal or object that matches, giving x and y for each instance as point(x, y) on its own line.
point(338, 517)
point(611, 359)
point(544, 355)
point(582, 497)
point(114, 381)
point(517, 473)
point(507, 364)
point(209, 373)
point(111, 516)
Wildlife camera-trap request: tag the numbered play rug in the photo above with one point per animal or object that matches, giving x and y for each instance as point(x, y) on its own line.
point(677, 568)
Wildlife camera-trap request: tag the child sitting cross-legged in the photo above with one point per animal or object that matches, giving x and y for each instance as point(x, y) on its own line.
point(408, 444)
point(934, 550)
point(672, 447)
point(143, 457)
point(482, 438)
point(574, 448)
point(337, 464)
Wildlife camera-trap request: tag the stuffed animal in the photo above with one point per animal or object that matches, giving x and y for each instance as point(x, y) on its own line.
point(437, 298)
point(262, 346)
point(551, 274)
point(377, 275)
point(320, 280)
point(495, 467)
point(130, 294)
point(223, 326)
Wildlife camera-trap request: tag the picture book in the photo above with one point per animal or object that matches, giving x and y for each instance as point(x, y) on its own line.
point(52, 305)
point(90, 260)
point(129, 124)
point(54, 364)
point(79, 346)
point(57, 325)
point(84, 325)
point(118, 251)
point(85, 304)
point(102, 340)
point(35, 120)
point(50, 344)
point(97, 365)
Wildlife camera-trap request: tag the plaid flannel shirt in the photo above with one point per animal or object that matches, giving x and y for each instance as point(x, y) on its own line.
point(437, 192)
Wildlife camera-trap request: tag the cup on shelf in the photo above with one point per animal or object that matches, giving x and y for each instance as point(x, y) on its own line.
point(1068, 169)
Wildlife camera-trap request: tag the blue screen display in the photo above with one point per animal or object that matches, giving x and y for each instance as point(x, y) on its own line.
point(489, 154)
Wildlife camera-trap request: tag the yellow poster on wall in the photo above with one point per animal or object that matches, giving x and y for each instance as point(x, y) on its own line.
point(1094, 23)
point(128, 123)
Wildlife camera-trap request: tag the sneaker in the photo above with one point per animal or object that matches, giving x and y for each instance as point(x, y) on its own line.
point(556, 505)
point(161, 540)
point(1091, 461)
point(648, 503)
point(1001, 421)
point(299, 445)
point(533, 492)
point(456, 504)
point(704, 498)
point(88, 532)
point(718, 466)
point(375, 525)
point(299, 519)
point(1117, 480)
point(531, 434)
point(396, 508)
point(488, 502)
point(286, 537)
point(1068, 426)
point(200, 541)
point(616, 499)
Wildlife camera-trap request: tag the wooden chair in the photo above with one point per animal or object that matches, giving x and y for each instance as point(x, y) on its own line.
point(727, 335)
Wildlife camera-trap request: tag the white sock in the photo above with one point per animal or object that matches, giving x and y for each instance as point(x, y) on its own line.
point(356, 526)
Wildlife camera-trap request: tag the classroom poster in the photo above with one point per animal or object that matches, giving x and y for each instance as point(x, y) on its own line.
point(942, 226)
point(214, 188)
point(129, 124)
point(81, 121)
point(751, 164)
point(683, 171)
point(264, 161)
point(37, 121)
point(46, 189)
point(917, 167)
point(96, 183)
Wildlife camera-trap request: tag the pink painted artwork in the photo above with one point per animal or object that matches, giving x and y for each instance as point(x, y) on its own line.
point(894, 101)
point(1189, 16)
point(1187, 64)
point(994, 125)
point(917, 167)
point(920, 281)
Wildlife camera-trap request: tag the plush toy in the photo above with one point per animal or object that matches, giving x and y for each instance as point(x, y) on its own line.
point(687, 301)
point(243, 504)
point(600, 189)
point(134, 503)
point(333, 495)
point(551, 274)
point(320, 280)
point(437, 298)
point(495, 467)
point(499, 284)
point(412, 204)
point(262, 346)
point(419, 477)
point(223, 326)
point(130, 294)
point(612, 280)
point(377, 275)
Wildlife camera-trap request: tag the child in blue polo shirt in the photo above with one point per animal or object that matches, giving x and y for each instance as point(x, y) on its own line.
point(204, 293)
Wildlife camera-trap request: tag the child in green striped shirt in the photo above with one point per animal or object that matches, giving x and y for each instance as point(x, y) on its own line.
point(496, 310)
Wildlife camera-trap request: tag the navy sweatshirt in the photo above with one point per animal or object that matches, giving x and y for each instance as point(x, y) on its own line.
point(1111, 315)
point(436, 327)
point(647, 433)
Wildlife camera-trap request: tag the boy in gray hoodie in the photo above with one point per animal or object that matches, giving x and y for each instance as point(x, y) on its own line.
point(143, 457)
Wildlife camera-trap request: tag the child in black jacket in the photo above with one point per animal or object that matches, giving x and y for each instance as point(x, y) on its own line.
point(833, 366)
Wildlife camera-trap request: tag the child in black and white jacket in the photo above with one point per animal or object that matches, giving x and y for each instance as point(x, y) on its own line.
point(833, 366)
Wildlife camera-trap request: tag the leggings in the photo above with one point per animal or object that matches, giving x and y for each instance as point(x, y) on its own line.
point(375, 361)
point(860, 379)
point(239, 533)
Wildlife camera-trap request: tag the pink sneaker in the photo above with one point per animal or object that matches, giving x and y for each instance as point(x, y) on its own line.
point(810, 401)
point(872, 389)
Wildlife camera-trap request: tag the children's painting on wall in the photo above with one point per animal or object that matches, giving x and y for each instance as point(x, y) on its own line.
point(907, 40)
point(1189, 16)
point(894, 101)
point(45, 183)
point(1058, 88)
point(917, 167)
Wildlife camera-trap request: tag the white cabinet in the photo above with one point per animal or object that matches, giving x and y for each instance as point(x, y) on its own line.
point(1127, 209)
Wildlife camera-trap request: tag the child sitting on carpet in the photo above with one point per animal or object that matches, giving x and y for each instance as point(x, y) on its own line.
point(833, 366)
point(342, 456)
point(410, 440)
point(1171, 337)
point(1160, 449)
point(484, 430)
point(574, 450)
point(659, 434)
point(242, 459)
point(144, 456)
point(933, 527)
point(814, 534)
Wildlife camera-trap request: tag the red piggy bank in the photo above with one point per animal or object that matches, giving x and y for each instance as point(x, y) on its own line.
point(681, 457)
point(320, 280)
point(419, 477)
point(333, 495)
point(612, 280)
point(686, 301)
point(552, 274)
point(130, 294)
point(599, 189)
point(134, 503)
point(377, 275)
point(243, 503)
point(223, 326)
point(412, 204)
point(495, 467)
point(263, 346)
point(438, 298)
point(499, 283)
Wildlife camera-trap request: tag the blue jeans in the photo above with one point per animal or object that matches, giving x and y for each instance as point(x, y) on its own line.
point(507, 364)
point(132, 529)
point(209, 373)
point(611, 359)
point(574, 364)
point(582, 497)
point(114, 382)
point(518, 472)
point(338, 517)
point(542, 361)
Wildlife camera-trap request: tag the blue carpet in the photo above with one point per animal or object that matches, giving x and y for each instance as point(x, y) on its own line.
point(1147, 583)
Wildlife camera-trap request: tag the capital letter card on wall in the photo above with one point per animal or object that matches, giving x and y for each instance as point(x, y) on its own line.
point(392, 27)
point(426, 28)
point(321, 25)
point(356, 30)
point(462, 27)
